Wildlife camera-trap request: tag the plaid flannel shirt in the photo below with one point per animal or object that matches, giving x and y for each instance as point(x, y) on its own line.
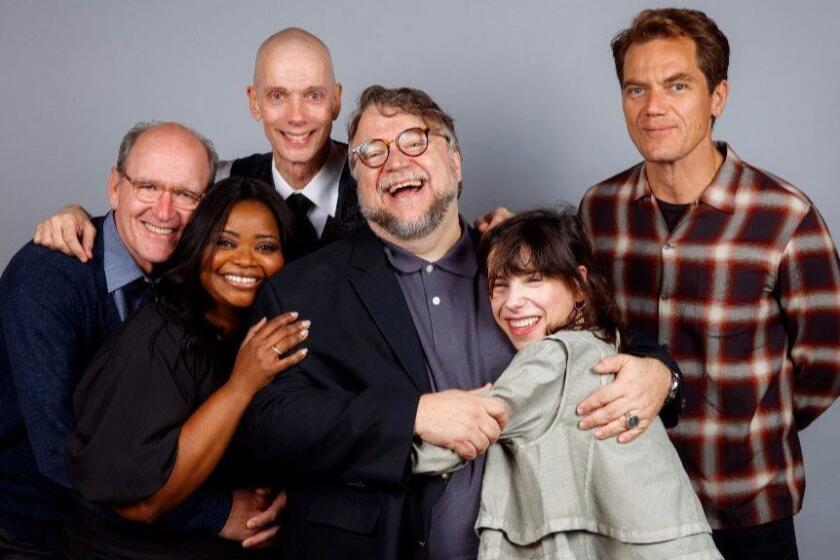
point(745, 293)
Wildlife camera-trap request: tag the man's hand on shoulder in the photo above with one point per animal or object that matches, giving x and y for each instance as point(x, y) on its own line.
point(463, 421)
point(493, 218)
point(639, 389)
point(69, 230)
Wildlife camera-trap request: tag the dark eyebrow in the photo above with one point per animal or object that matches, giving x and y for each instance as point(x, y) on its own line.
point(681, 77)
point(629, 83)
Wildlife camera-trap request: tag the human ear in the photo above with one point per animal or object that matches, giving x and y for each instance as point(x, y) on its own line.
point(253, 106)
point(113, 188)
point(719, 96)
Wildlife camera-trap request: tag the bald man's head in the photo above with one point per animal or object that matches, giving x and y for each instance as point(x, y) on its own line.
point(296, 97)
point(289, 39)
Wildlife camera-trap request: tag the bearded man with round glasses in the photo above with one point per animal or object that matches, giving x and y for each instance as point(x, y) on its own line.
point(405, 335)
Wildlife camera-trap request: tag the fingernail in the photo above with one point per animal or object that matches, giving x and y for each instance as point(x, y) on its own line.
point(579, 411)
point(304, 333)
point(304, 351)
point(294, 314)
point(306, 323)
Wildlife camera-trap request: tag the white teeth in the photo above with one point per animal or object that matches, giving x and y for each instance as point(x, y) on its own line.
point(522, 323)
point(244, 281)
point(297, 137)
point(158, 229)
point(415, 183)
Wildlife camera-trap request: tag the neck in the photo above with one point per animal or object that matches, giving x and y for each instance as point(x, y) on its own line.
point(299, 174)
point(433, 246)
point(684, 180)
point(226, 321)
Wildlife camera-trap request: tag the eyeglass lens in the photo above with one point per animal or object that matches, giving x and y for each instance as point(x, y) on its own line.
point(412, 142)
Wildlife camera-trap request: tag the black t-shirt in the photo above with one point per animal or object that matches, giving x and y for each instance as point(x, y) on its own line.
point(671, 212)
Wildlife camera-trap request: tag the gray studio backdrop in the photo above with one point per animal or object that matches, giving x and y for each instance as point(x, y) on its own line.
point(530, 84)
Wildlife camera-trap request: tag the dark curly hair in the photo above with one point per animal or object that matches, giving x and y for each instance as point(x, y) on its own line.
point(553, 244)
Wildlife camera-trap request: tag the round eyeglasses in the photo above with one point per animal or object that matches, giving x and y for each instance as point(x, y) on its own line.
point(411, 141)
point(150, 193)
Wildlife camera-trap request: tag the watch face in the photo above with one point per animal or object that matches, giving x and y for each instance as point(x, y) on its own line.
point(675, 384)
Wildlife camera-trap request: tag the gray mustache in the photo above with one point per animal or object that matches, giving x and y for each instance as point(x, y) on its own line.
point(392, 180)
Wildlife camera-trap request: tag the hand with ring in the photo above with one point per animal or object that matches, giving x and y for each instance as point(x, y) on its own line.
point(268, 348)
point(626, 406)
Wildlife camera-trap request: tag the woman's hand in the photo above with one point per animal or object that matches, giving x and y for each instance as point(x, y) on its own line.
point(265, 352)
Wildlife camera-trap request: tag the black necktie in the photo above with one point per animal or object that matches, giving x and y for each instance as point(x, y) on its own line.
point(306, 234)
point(136, 293)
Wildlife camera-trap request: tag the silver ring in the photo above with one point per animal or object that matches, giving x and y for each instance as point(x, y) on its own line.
point(279, 353)
point(630, 420)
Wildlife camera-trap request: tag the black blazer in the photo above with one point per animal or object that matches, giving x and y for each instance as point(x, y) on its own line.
point(338, 428)
point(347, 216)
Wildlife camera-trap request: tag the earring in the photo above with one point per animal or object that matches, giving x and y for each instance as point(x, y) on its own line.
point(576, 319)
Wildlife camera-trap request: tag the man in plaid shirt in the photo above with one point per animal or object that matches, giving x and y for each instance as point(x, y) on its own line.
point(730, 267)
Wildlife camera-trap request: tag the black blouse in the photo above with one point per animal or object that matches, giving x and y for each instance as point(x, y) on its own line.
point(130, 404)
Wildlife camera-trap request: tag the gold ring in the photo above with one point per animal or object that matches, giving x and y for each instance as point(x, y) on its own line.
point(279, 353)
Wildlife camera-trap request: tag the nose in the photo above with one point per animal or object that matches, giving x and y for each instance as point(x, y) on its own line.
point(164, 209)
point(654, 102)
point(297, 114)
point(396, 159)
point(244, 256)
point(515, 297)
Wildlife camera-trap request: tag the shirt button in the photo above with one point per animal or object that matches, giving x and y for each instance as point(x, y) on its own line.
point(436, 300)
point(429, 268)
point(421, 543)
point(445, 476)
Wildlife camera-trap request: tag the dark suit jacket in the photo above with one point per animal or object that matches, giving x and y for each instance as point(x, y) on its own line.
point(347, 216)
point(339, 426)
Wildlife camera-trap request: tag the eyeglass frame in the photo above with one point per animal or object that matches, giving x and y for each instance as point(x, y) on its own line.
point(395, 140)
point(137, 186)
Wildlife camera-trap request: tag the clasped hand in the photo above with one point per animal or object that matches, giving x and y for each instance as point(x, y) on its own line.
point(466, 422)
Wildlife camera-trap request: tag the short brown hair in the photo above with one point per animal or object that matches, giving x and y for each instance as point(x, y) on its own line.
point(667, 23)
point(405, 100)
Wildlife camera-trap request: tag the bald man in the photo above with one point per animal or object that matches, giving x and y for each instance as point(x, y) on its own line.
point(296, 97)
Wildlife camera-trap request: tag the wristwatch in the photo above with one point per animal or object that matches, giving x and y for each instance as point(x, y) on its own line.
point(675, 387)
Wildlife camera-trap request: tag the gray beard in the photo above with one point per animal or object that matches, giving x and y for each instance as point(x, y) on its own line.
point(411, 231)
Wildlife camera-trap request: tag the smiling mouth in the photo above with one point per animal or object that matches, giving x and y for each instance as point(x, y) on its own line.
point(301, 138)
point(522, 325)
point(159, 230)
point(404, 187)
point(242, 282)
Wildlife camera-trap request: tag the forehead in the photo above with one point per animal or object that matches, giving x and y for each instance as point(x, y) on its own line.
point(376, 124)
point(661, 58)
point(294, 66)
point(170, 157)
point(251, 217)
